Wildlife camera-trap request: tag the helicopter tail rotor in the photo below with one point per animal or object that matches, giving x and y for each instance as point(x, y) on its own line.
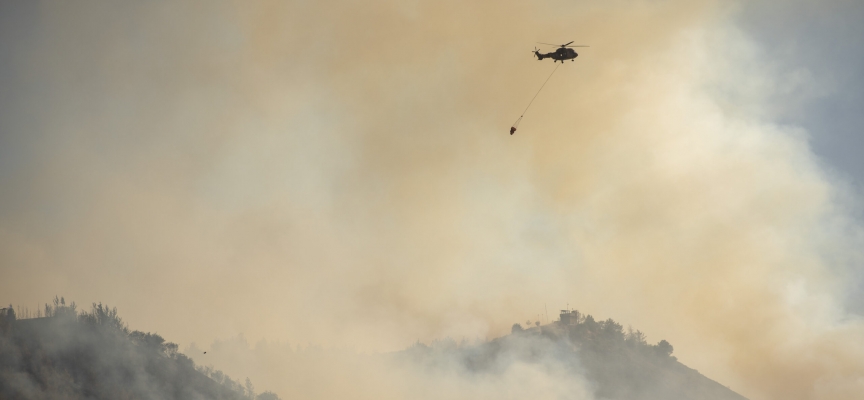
point(537, 54)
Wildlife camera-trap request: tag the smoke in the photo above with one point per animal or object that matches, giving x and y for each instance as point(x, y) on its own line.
point(340, 173)
point(527, 366)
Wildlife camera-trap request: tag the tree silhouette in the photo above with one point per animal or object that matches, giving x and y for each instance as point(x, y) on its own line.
point(664, 348)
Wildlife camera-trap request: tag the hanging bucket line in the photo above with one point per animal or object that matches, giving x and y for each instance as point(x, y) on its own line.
point(516, 124)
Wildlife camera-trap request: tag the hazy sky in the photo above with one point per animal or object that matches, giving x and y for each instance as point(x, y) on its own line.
point(823, 42)
point(340, 173)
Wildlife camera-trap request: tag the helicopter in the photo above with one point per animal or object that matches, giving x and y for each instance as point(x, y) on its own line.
point(564, 52)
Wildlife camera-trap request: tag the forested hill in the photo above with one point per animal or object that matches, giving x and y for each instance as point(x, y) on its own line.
point(68, 354)
point(609, 362)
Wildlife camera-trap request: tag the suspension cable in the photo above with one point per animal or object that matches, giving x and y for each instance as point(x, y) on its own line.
point(535, 95)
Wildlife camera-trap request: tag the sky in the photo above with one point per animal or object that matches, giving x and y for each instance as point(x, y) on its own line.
point(340, 173)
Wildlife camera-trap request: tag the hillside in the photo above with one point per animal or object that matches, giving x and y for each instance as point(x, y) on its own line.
point(93, 355)
point(611, 363)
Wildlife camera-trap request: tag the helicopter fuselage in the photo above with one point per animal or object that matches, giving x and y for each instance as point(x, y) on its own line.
point(560, 54)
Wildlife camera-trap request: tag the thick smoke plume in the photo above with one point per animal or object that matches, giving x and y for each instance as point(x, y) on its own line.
point(340, 173)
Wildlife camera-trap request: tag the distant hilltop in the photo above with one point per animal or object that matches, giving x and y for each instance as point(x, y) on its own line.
point(616, 364)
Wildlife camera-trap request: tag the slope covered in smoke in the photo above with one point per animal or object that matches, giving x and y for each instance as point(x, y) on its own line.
point(609, 362)
point(576, 358)
point(93, 355)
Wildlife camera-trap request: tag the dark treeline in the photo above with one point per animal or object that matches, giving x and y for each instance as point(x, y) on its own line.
point(615, 363)
point(70, 354)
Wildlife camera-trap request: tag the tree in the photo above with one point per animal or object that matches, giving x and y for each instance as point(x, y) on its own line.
point(590, 324)
point(516, 328)
point(60, 309)
point(612, 329)
point(250, 390)
point(102, 315)
point(7, 315)
point(635, 337)
point(663, 348)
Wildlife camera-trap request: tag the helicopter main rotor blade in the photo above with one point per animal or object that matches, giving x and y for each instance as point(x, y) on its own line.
point(565, 44)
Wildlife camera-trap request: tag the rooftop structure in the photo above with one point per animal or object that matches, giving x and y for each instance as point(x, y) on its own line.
point(569, 317)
